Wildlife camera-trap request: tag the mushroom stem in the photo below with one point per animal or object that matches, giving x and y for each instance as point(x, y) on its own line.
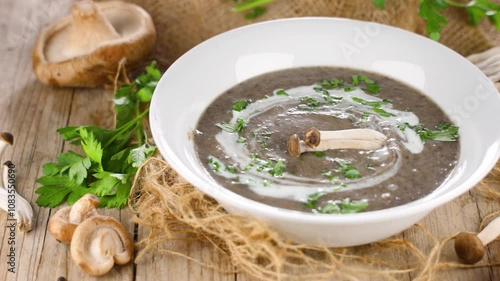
point(315, 137)
point(490, 232)
point(90, 29)
point(23, 212)
point(315, 140)
point(10, 200)
point(469, 247)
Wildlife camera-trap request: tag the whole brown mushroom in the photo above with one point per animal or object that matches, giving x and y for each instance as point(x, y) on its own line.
point(470, 247)
point(85, 48)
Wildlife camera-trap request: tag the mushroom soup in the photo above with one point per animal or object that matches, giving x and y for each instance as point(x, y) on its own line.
point(326, 140)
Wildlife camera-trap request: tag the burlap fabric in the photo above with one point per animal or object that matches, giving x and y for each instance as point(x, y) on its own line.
point(182, 24)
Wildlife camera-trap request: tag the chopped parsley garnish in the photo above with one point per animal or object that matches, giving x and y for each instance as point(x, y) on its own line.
point(345, 206)
point(375, 106)
point(347, 169)
point(381, 112)
point(214, 165)
point(278, 169)
point(312, 200)
point(330, 176)
point(443, 132)
point(232, 128)
point(232, 169)
point(332, 84)
point(310, 103)
point(356, 80)
point(371, 103)
point(281, 92)
point(274, 167)
point(240, 105)
point(374, 89)
point(319, 153)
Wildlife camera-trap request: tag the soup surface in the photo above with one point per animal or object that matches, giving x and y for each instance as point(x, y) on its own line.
point(241, 139)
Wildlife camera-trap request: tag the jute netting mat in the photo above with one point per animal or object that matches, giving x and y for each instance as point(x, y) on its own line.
point(169, 209)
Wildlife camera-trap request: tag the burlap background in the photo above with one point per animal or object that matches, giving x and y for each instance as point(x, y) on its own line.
point(182, 24)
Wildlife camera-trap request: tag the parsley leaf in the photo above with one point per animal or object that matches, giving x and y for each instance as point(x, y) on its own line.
point(379, 3)
point(431, 11)
point(232, 128)
point(347, 169)
point(278, 169)
point(345, 206)
point(240, 105)
point(253, 6)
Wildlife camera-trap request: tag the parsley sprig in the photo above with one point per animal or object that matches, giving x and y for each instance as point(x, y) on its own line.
point(432, 12)
point(110, 157)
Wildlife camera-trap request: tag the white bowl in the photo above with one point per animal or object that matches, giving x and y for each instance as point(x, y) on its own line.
point(219, 63)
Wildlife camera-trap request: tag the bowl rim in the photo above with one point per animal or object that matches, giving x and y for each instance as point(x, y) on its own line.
point(420, 206)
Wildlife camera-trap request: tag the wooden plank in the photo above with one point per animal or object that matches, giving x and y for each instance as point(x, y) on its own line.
point(162, 266)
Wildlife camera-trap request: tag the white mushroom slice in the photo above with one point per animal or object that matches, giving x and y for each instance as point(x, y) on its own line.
point(315, 140)
point(85, 48)
point(98, 243)
point(63, 223)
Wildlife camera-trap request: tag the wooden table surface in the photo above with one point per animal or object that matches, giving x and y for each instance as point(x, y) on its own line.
point(32, 112)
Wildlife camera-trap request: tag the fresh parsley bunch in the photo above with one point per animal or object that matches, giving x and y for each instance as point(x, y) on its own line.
point(431, 11)
point(110, 158)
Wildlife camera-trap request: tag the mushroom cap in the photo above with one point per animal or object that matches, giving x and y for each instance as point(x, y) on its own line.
point(63, 223)
point(469, 248)
point(55, 65)
point(98, 243)
point(60, 227)
point(7, 137)
point(293, 145)
point(83, 208)
point(312, 137)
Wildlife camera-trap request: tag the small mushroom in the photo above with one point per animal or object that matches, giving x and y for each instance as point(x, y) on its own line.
point(85, 48)
point(315, 140)
point(98, 243)
point(469, 247)
point(64, 222)
point(10, 201)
